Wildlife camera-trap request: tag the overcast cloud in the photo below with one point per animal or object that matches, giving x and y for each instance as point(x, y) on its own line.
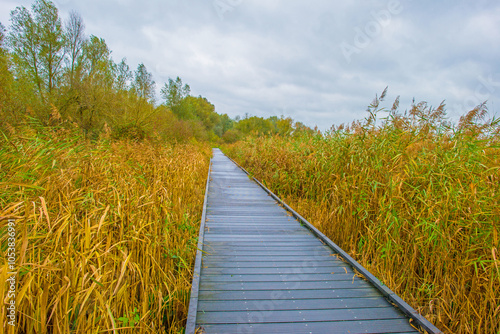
point(320, 62)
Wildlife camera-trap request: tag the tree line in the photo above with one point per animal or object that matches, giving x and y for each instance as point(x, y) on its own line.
point(52, 71)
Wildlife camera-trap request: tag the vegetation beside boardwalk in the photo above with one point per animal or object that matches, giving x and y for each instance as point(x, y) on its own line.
point(106, 231)
point(414, 200)
point(105, 185)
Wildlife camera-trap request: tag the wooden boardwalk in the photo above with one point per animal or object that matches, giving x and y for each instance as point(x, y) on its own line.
point(261, 268)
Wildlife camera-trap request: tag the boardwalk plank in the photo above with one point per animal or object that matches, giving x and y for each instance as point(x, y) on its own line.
point(288, 294)
point(278, 277)
point(283, 285)
point(298, 304)
point(263, 271)
point(297, 316)
point(258, 252)
point(331, 327)
point(289, 262)
point(252, 268)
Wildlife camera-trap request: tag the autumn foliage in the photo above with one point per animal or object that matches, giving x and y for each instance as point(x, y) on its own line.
point(414, 199)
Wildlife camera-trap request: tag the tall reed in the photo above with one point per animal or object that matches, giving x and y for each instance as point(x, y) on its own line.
point(107, 231)
point(414, 200)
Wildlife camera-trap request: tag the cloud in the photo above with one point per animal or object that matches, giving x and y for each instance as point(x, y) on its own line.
point(285, 57)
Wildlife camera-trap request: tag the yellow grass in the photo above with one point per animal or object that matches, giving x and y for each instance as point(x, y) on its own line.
point(106, 232)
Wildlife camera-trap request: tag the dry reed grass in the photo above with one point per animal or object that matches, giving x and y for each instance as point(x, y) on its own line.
point(414, 201)
point(107, 232)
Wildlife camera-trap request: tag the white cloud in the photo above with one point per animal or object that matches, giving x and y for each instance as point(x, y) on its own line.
point(284, 57)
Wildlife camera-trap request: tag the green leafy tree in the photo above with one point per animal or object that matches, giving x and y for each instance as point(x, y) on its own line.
point(256, 125)
point(136, 117)
point(37, 41)
point(123, 75)
point(284, 126)
point(227, 123)
point(24, 43)
point(174, 93)
point(3, 51)
point(144, 84)
point(75, 42)
point(200, 109)
point(95, 89)
point(142, 107)
point(52, 41)
point(96, 58)
point(231, 136)
point(5, 77)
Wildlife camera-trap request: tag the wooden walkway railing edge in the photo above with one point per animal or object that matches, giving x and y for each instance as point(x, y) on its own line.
point(193, 299)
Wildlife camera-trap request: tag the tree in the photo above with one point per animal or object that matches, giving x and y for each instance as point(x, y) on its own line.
point(5, 75)
point(75, 41)
point(96, 85)
point(37, 41)
point(197, 108)
point(256, 124)
point(174, 92)
point(227, 123)
point(25, 45)
point(144, 85)
point(96, 57)
point(123, 75)
point(3, 52)
point(49, 30)
point(284, 126)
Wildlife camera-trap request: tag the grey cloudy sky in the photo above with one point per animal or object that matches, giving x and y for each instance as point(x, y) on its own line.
point(320, 62)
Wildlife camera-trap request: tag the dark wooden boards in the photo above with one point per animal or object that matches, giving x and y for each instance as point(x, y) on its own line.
point(261, 270)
